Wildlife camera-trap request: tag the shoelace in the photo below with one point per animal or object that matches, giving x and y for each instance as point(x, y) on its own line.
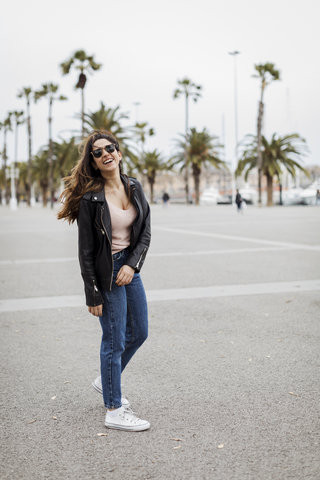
point(129, 410)
point(129, 413)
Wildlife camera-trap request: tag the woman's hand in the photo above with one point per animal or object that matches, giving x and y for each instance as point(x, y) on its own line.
point(96, 311)
point(125, 275)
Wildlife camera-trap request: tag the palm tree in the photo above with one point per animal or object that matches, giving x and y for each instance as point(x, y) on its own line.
point(18, 121)
point(26, 92)
point(65, 155)
point(84, 63)
point(110, 120)
point(40, 168)
point(5, 126)
point(188, 89)
point(280, 151)
point(2, 183)
point(22, 181)
point(267, 73)
point(201, 147)
point(141, 131)
point(48, 91)
point(149, 165)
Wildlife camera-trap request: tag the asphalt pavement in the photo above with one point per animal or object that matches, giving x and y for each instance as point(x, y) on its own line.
point(228, 378)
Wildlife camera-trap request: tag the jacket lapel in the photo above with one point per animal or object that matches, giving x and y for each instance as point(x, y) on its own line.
point(104, 211)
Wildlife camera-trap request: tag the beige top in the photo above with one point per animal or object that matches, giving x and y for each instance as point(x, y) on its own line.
point(121, 223)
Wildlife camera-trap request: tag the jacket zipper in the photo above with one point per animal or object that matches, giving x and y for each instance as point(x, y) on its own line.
point(137, 205)
point(110, 244)
point(101, 229)
point(139, 210)
point(140, 258)
point(95, 289)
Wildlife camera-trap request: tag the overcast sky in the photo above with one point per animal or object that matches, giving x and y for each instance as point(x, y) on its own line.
point(146, 46)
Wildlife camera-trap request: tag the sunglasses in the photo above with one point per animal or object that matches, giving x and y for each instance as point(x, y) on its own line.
point(108, 148)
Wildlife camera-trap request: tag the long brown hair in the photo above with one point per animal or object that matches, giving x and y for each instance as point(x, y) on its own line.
point(84, 177)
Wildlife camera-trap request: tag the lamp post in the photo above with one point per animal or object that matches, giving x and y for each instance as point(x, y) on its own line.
point(234, 54)
point(137, 110)
point(13, 174)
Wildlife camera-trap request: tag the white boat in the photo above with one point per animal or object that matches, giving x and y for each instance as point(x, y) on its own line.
point(292, 196)
point(210, 196)
point(249, 194)
point(308, 195)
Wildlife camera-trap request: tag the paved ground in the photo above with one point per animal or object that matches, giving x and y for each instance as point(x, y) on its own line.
point(232, 358)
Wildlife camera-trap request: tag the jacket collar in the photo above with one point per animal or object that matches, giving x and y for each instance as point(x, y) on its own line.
point(97, 197)
point(100, 196)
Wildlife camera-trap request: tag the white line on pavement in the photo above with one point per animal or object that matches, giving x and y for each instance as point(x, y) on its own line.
point(218, 252)
point(233, 290)
point(296, 246)
point(38, 260)
point(39, 303)
point(243, 220)
point(151, 255)
point(37, 230)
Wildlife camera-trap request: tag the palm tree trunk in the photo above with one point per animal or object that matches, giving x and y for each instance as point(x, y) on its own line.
point(82, 111)
point(270, 190)
point(4, 156)
point(259, 145)
point(259, 185)
point(29, 159)
point(186, 177)
point(196, 176)
point(18, 194)
point(16, 180)
point(151, 180)
point(44, 191)
point(50, 155)
point(186, 172)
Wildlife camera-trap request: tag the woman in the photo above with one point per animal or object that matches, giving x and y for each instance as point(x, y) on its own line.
point(114, 236)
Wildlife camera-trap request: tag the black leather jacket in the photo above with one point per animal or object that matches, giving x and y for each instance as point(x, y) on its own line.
point(95, 237)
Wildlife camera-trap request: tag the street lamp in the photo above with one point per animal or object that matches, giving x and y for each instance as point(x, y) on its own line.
point(137, 110)
point(234, 54)
point(13, 174)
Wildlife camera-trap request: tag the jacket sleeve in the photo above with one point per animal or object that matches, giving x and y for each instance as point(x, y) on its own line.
point(86, 244)
point(137, 256)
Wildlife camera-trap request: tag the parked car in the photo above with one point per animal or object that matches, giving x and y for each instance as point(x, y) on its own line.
point(225, 200)
point(292, 196)
point(249, 194)
point(210, 196)
point(309, 194)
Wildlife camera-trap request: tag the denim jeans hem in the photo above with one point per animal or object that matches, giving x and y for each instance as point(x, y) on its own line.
point(113, 407)
point(124, 324)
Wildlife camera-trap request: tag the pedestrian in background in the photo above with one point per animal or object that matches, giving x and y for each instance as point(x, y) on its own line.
point(165, 199)
point(318, 197)
point(239, 201)
point(114, 236)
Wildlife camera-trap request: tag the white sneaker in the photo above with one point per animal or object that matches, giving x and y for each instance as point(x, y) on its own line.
point(122, 419)
point(98, 388)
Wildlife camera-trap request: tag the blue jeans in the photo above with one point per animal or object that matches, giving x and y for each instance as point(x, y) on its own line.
point(124, 324)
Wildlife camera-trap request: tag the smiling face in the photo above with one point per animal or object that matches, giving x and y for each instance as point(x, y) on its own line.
point(108, 162)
